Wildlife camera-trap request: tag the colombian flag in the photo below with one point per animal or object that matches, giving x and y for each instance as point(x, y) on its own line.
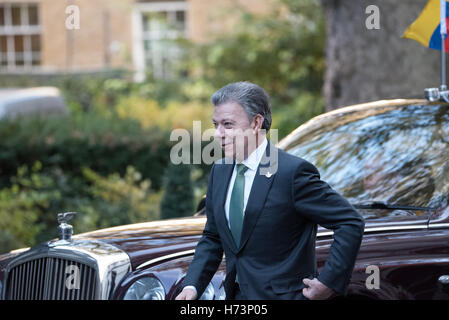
point(426, 29)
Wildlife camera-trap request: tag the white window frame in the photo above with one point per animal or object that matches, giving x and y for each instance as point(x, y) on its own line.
point(24, 29)
point(139, 36)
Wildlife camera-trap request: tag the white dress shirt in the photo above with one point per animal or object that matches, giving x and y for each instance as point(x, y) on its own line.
point(252, 163)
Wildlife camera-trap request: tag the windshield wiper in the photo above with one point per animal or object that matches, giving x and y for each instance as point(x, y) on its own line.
point(380, 205)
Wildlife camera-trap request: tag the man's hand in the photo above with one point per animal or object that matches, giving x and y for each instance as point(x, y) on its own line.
point(316, 290)
point(186, 294)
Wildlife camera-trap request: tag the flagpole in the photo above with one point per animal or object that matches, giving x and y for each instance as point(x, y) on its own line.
point(442, 94)
point(443, 31)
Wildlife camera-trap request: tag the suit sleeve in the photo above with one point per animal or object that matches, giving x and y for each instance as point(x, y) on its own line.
point(317, 201)
point(208, 252)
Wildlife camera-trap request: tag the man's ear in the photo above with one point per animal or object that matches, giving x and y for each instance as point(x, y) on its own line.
point(257, 123)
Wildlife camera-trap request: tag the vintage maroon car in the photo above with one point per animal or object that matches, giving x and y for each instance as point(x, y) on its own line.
point(389, 158)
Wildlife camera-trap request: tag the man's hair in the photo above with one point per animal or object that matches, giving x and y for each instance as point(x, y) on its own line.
point(250, 96)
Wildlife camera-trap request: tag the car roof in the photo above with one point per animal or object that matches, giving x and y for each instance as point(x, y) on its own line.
point(15, 101)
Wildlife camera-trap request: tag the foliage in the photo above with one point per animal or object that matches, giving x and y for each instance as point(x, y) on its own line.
point(28, 208)
point(178, 193)
point(173, 116)
point(100, 160)
point(21, 206)
point(105, 144)
point(83, 158)
point(300, 110)
point(119, 200)
point(281, 51)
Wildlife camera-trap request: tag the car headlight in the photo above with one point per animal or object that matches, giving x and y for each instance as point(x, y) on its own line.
point(208, 294)
point(148, 288)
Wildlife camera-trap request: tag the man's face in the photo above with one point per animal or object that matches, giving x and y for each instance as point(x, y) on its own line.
point(233, 130)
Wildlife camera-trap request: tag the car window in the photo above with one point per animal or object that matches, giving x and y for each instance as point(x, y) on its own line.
point(400, 156)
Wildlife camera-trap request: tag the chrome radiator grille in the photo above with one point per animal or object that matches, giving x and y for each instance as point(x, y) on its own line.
point(49, 278)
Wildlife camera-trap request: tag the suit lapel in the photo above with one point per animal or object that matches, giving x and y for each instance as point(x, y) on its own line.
point(259, 191)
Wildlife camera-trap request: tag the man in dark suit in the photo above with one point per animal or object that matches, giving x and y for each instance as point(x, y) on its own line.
point(263, 208)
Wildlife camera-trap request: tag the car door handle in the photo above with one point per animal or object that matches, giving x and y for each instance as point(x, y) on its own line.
point(444, 279)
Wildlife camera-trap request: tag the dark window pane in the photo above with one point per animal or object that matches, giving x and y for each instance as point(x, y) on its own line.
point(36, 59)
point(33, 17)
point(16, 19)
point(18, 44)
point(36, 43)
point(180, 16)
point(180, 20)
point(145, 22)
point(20, 61)
point(2, 16)
point(3, 46)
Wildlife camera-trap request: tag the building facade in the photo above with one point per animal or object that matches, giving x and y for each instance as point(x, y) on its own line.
point(50, 36)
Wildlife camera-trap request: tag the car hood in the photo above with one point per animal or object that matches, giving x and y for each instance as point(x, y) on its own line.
point(164, 239)
point(151, 240)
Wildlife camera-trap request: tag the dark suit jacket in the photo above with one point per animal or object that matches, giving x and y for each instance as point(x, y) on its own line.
point(277, 248)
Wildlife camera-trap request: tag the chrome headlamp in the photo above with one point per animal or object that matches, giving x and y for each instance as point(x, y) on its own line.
point(148, 288)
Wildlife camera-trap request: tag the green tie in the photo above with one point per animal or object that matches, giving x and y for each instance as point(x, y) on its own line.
point(236, 205)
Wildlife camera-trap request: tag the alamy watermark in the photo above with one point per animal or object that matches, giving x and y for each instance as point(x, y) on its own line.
point(73, 279)
point(373, 280)
point(373, 19)
point(73, 20)
point(188, 149)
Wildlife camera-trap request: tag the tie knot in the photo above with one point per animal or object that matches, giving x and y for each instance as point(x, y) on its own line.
point(241, 169)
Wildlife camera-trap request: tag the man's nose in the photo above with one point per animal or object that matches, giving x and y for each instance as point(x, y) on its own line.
point(219, 132)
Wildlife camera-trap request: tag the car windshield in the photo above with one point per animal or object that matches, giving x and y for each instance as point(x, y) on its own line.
point(397, 156)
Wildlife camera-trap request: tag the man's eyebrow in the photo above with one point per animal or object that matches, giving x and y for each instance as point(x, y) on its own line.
point(223, 120)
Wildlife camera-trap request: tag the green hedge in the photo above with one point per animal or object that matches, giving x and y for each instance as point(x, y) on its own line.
point(107, 168)
point(29, 206)
point(104, 144)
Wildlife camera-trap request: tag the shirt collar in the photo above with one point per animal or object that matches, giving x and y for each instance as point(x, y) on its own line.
point(252, 162)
